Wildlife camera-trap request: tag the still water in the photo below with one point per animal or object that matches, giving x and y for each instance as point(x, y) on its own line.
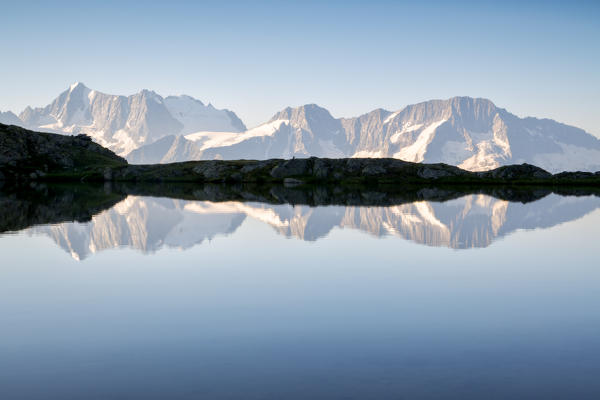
point(470, 296)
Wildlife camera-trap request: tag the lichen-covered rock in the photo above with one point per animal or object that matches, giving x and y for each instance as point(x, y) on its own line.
point(27, 153)
point(293, 167)
point(576, 175)
point(522, 171)
point(255, 166)
point(434, 172)
point(213, 170)
point(353, 165)
point(373, 169)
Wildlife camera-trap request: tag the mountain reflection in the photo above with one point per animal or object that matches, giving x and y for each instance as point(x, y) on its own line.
point(148, 223)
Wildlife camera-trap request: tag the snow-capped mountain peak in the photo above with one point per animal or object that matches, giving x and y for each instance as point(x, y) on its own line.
point(9, 118)
point(472, 133)
point(125, 123)
point(195, 116)
point(76, 85)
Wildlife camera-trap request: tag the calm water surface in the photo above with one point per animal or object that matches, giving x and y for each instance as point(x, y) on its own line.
point(160, 298)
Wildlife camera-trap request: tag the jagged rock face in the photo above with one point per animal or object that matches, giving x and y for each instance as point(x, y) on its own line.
point(476, 135)
point(314, 132)
point(366, 131)
point(168, 149)
point(9, 118)
point(127, 123)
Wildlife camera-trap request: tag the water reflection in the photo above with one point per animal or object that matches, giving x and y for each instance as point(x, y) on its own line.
point(105, 218)
point(331, 312)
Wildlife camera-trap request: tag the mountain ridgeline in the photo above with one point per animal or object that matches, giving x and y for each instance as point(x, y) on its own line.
point(471, 133)
point(122, 123)
point(40, 156)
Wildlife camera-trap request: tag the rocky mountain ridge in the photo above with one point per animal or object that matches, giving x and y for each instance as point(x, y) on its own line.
point(124, 123)
point(471, 133)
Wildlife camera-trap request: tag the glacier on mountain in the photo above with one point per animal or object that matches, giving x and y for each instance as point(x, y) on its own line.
point(124, 124)
point(472, 133)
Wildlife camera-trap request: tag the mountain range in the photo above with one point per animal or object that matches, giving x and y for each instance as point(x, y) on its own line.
point(122, 123)
point(472, 133)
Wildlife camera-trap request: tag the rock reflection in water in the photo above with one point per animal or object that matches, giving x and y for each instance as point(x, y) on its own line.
point(149, 223)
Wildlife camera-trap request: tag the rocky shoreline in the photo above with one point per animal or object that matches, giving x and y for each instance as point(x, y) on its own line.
point(33, 156)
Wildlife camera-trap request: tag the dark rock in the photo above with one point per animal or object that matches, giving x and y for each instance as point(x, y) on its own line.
point(373, 169)
point(321, 168)
point(577, 175)
point(523, 171)
point(255, 166)
point(293, 167)
point(353, 165)
point(30, 153)
point(213, 170)
point(434, 172)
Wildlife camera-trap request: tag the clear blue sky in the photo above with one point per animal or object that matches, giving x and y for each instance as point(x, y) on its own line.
point(539, 59)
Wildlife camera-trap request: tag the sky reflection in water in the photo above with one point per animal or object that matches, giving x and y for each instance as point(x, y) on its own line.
point(472, 298)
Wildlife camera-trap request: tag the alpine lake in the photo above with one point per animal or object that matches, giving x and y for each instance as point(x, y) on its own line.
point(239, 292)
